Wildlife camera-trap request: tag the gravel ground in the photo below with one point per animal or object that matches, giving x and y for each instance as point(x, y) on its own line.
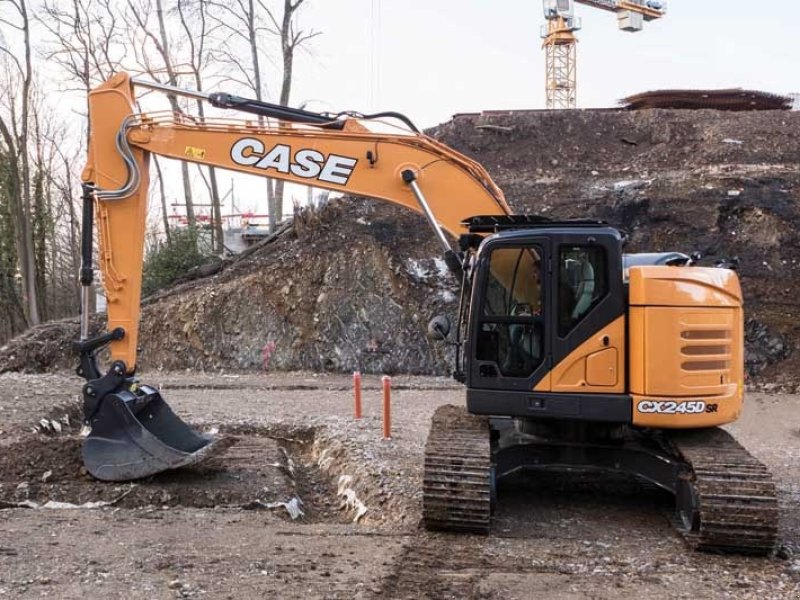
point(209, 533)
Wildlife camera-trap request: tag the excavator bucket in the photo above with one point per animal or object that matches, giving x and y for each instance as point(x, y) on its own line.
point(135, 434)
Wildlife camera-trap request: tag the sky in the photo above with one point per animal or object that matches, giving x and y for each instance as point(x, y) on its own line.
point(431, 59)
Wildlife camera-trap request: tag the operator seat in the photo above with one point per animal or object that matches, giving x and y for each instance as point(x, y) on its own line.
point(584, 294)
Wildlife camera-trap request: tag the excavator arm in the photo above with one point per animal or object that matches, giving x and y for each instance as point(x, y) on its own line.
point(134, 433)
point(402, 167)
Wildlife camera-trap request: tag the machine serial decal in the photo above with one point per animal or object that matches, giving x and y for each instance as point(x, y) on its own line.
point(306, 163)
point(669, 407)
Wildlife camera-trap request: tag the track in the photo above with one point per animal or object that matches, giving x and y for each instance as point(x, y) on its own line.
point(736, 504)
point(726, 501)
point(457, 485)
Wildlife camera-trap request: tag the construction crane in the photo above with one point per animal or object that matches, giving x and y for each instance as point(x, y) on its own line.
point(560, 41)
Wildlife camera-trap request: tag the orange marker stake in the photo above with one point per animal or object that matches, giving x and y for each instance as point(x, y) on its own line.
point(357, 394)
point(387, 407)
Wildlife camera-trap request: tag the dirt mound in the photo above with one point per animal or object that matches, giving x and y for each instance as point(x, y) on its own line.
point(350, 287)
point(47, 346)
point(353, 285)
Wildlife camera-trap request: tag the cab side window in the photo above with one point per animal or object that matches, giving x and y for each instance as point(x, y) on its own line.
point(514, 286)
point(582, 283)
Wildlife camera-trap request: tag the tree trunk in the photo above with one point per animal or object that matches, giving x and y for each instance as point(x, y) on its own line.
point(26, 234)
point(253, 37)
point(216, 207)
point(287, 52)
point(74, 229)
point(163, 195)
point(173, 100)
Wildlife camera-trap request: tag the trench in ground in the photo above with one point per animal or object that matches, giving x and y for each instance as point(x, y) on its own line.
point(263, 466)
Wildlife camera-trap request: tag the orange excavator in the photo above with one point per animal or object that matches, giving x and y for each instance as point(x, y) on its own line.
point(574, 355)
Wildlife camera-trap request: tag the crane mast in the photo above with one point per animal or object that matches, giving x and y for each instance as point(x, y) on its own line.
point(560, 41)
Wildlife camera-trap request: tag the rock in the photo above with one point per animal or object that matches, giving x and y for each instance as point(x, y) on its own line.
point(763, 346)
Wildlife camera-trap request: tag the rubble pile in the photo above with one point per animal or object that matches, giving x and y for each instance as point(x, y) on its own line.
point(352, 285)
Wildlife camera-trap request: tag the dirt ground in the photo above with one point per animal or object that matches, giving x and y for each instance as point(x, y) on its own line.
point(223, 531)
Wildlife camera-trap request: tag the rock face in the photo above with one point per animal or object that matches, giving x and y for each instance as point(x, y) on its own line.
point(354, 284)
point(349, 287)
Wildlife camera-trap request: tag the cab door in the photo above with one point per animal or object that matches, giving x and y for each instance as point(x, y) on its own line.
point(588, 319)
point(511, 309)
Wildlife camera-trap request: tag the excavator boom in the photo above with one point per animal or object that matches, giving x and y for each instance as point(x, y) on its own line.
point(349, 158)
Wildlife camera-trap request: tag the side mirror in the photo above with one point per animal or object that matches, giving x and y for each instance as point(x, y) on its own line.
point(439, 328)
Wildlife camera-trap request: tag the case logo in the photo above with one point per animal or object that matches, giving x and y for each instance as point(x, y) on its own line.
point(305, 163)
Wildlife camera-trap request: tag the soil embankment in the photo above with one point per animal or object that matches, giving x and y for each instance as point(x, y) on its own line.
point(353, 285)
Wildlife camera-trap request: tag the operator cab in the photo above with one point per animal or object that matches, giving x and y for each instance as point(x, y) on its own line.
point(539, 292)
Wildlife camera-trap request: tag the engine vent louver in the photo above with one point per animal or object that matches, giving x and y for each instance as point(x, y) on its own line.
point(707, 349)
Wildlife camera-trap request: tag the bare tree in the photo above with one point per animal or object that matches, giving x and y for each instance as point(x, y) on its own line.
point(14, 131)
point(163, 196)
point(246, 22)
point(243, 25)
point(36, 176)
point(156, 37)
point(64, 185)
point(10, 293)
point(55, 221)
point(193, 17)
point(84, 38)
point(292, 38)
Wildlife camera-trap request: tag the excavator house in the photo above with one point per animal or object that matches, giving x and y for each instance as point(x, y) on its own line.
point(575, 355)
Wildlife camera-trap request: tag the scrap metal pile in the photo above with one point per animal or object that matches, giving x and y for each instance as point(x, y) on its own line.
point(733, 99)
